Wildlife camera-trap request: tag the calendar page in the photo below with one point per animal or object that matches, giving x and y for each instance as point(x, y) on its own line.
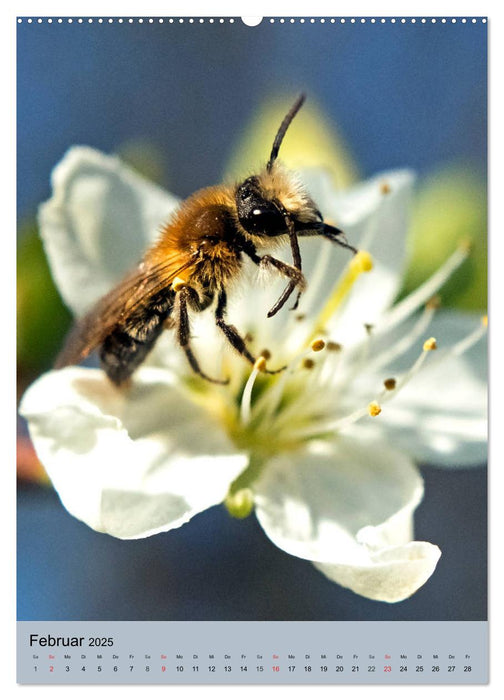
point(252, 432)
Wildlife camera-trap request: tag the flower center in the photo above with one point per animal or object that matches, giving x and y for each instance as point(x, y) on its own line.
point(320, 392)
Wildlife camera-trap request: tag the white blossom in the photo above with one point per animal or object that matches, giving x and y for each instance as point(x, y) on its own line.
point(324, 452)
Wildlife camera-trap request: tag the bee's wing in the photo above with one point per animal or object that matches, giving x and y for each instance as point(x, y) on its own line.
point(133, 292)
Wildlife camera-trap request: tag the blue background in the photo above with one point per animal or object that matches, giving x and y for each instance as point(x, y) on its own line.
point(401, 95)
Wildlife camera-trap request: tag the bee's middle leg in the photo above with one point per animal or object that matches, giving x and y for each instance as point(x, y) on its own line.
point(184, 296)
point(229, 331)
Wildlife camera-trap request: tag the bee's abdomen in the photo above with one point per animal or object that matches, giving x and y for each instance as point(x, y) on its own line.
point(128, 345)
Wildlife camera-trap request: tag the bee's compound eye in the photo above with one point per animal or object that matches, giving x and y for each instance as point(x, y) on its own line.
point(266, 220)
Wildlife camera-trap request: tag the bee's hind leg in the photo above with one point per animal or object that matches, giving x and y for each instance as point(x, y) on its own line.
point(184, 335)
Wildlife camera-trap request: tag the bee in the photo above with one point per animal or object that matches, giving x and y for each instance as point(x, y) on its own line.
point(199, 253)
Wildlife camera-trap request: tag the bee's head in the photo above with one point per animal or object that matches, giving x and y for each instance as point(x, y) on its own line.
point(270, 203)
point(258, 214)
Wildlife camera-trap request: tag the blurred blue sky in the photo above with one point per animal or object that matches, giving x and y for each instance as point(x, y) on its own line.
point(401, 95)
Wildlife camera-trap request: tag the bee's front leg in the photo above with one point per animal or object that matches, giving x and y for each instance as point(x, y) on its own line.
point(296, 279)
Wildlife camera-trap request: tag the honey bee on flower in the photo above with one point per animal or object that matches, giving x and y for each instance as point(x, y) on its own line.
point(322, 452)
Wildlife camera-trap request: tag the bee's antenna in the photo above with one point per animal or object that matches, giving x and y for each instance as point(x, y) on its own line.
point(283, 128)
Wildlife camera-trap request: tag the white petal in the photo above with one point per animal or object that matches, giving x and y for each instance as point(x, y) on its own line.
point(344, 507)
point(375, 222)
point(440, 417)
point(129, 464)
point(391, 575)
point(97, 224)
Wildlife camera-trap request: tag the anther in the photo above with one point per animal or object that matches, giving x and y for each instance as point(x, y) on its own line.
point(374, 409)
point(266, 354)
point(466, 244)
point(385, 188)
point(361, 262)
point(434, 302)
point(430, 344)
point(334, 347)
point(300, 317)
point(318, 345)
point(260, 363)
point(308, 363)
point(484, 321)
point(390, 384)
point(369, 328)
point(248, 337)
point(178, 284)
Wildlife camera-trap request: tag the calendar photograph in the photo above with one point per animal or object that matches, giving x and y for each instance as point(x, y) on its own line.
point(251, 320)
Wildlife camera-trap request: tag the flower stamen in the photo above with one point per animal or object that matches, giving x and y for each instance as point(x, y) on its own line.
point(273, 397)
point(425, 291)
point(246, 401)
point(361, 262)
point(428, 346)
point(399, 348)
point(391, 387)
point(466, 343)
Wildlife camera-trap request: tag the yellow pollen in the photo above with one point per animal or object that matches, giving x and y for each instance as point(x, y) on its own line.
point(178, 284)
point(361, 262)
point(484, 321)
point(390, 384)
point(430, 344)
point(385, 188)
point(318, 345)
point(434, 302)
point(308, 363)
point(374, 409)
point(260, 363)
